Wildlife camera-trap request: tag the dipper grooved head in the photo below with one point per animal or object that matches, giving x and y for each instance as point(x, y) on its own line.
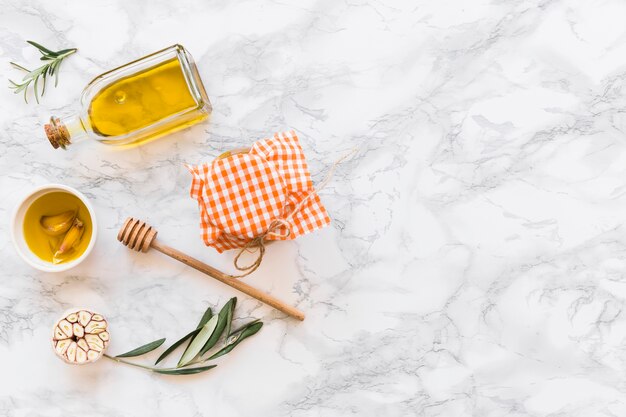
point(137, 235)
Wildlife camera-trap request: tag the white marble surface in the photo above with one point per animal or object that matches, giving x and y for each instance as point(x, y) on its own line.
point(476, 261)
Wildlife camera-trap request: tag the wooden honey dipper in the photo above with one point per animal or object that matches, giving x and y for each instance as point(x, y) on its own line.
point(140, 236)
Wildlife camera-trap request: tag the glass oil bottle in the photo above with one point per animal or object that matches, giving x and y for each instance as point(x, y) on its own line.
point(143, 100)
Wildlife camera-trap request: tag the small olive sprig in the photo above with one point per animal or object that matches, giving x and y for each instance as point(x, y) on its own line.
point(203, 338)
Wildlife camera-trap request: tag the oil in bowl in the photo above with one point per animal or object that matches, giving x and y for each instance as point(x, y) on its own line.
point(57, 227)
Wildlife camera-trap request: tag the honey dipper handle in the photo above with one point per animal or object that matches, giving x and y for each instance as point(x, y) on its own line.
point(228, 280)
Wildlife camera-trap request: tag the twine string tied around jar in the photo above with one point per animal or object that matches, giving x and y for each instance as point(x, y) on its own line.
point(257, 244)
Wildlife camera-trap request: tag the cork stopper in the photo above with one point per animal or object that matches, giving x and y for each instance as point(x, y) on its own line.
point(57, 133)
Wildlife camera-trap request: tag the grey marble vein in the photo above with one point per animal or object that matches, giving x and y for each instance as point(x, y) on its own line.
point(475, 264)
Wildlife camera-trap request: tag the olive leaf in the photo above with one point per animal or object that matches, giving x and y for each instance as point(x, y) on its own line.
point(148, 347)
point(229, 314)
point(233, 341)
point(196, 344)
point(184, 371)
point(205, 317)
point(176, 344)
point(244, 327)
point(224, 315)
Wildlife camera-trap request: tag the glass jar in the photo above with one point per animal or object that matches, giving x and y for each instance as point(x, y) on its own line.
point(142, 100)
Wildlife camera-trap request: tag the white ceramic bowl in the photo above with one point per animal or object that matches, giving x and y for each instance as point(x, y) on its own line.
point(17, 229)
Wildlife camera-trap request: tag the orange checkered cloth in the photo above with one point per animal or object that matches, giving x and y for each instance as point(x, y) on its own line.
point(243, 196)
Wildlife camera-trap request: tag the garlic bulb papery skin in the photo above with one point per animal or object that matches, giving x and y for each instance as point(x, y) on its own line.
point(80, 336)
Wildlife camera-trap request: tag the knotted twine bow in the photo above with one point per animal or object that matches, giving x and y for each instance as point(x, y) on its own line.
point(236, 193)
point(258, 243)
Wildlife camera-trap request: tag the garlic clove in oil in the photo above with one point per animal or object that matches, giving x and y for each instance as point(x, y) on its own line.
point(87, 340)
point(70, 241)
point(59, 223)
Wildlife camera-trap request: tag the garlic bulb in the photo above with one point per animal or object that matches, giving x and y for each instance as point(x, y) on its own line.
point(80, 337)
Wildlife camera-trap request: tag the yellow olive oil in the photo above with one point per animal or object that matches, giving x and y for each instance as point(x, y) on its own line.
point(41, 242)
point(140, 100)
point(137, 102)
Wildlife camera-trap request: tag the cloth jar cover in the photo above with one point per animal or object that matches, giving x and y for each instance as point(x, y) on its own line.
point(241, 196)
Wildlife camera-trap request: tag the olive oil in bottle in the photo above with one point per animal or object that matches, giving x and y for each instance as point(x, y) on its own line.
point(143, 100)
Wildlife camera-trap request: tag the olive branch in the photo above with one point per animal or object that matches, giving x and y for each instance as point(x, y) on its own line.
point(203, 339)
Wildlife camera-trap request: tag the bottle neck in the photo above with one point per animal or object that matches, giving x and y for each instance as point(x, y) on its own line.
point(66, 132)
